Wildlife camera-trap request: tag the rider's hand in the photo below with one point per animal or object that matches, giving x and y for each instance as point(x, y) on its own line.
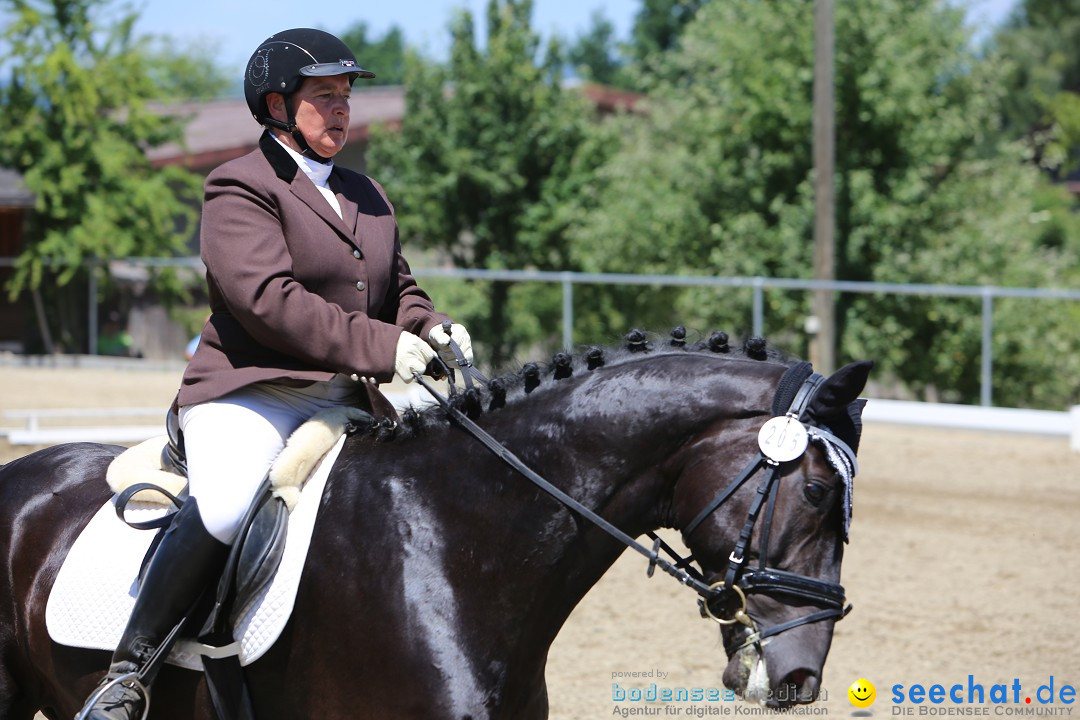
point(412, 356)
point(441, 342)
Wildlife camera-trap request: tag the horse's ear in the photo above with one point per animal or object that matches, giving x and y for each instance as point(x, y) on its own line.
point(836, 404)
point(841, 389)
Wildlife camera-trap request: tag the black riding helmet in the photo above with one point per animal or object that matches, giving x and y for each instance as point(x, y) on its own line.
point(282, 62)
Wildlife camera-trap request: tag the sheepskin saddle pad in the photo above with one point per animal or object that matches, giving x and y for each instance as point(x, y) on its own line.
point(95, 589)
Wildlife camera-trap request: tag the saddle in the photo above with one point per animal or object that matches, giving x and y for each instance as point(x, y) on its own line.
point(258, 549)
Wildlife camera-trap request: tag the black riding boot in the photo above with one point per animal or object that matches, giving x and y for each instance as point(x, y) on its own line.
point(187, 561)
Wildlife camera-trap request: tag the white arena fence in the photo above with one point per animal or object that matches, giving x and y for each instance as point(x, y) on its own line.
point(113, 425)
point(53, 426)
point(982, 417)
point(975, 417)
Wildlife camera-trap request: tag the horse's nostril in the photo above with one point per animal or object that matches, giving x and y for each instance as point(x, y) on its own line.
point(799, 686)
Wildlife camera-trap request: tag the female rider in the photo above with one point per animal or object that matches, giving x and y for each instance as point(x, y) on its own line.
point(311, 301)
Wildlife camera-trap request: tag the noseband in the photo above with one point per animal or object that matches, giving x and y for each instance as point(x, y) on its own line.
point(782, 439)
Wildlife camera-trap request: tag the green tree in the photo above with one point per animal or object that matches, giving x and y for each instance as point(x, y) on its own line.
point(383, 56)
point(716, 178)
point(659, 25)
point(179, 71)
point(1041, 73)
point(595, 55)
point(76, 90)
point(490, 151)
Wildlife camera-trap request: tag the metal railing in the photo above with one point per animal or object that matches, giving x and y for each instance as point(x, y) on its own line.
point(93, 268)
point(986, 293)
point(758, 285)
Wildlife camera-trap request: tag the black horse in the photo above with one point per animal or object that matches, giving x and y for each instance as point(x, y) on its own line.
point(438, 576)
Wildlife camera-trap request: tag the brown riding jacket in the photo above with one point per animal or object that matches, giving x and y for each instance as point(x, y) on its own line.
point(298, 294)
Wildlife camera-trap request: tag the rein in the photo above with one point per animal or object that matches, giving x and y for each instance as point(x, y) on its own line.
point(686, 578)
point(783, 439)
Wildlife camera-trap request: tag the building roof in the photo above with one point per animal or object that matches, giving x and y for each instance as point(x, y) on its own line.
point(221, 130)
point(13, 193)
point(610, 99)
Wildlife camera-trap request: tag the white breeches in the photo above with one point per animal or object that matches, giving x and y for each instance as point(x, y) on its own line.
point(232, 441)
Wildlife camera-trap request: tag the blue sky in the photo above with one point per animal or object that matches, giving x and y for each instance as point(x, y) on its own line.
point(238, 26)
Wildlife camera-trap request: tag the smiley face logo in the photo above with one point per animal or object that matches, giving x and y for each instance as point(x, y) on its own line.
point(862, 693)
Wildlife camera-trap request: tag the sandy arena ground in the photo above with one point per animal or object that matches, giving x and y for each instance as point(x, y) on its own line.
point(964, 560)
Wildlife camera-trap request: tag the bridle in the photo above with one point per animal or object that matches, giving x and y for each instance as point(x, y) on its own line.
point(782, 439)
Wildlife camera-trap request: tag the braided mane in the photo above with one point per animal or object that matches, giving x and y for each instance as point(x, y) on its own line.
point(514, 387)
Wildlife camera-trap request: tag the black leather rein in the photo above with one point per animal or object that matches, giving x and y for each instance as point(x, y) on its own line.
point(686, 578)
point(739, 581)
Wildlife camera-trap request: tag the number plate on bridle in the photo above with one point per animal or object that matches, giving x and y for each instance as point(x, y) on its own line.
point(783, 438)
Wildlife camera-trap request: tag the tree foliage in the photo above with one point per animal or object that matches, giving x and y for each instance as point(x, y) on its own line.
point(77, 89)
point(490, 152)
point(595, 55)
point(183, 71)
point(1037, 49)
point(659, 25)
point(383, 56)
point(716, 178)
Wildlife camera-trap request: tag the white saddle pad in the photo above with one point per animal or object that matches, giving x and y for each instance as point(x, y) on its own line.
point(95, 590)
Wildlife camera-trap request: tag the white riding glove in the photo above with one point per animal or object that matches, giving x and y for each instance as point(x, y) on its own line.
point(412, 356)
point(441, 342)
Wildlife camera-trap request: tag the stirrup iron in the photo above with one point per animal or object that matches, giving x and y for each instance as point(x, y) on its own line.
point(132, 678)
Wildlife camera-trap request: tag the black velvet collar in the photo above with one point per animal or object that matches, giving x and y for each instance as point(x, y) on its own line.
point(285, 167)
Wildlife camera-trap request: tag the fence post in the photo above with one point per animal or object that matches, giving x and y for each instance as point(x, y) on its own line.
point(92, 309)
point(567, 310)
point(758, 322)
point(985, 389)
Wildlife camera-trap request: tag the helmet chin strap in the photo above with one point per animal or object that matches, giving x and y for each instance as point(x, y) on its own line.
point(291, 128)
point(306, 150)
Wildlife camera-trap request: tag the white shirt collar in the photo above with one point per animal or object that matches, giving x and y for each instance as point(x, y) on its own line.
point(317, 172)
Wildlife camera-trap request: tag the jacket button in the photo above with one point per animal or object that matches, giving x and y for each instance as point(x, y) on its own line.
point(360, 285)
point(357, 254)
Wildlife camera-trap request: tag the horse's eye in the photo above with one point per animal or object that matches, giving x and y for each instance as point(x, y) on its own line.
point(814, 492)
